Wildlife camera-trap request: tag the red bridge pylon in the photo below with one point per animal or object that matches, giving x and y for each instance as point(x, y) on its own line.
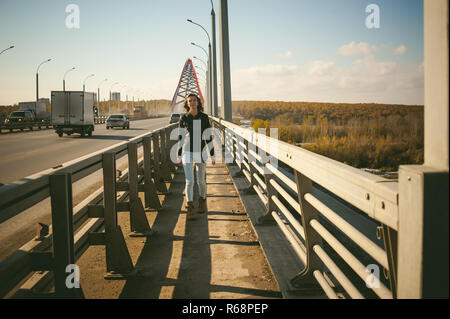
point(188, 84)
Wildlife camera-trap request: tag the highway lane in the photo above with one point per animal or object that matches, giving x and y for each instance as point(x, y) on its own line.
point(28, 153)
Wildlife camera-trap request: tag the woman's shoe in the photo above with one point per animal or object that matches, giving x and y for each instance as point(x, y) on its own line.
point(202, 208)
point(190, 211)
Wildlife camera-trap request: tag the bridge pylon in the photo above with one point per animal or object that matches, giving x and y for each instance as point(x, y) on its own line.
point(188, 84)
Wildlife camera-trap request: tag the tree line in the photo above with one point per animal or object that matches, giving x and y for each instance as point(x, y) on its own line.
point(376, 136)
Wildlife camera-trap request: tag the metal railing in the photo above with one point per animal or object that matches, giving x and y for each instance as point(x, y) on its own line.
point(6, 128)
point(42, 262)
point(335, 253)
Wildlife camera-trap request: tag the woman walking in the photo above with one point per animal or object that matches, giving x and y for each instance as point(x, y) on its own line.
point(195, 122)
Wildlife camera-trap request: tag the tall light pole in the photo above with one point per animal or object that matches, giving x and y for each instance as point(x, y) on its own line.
point(210, 65)
point(225, 60)
point(98, 93)
point(84, 82)
point(110, 96)
point(214, 62)
point(11, 47)
point(37, 78)
point(208, 82)
point(206, 73)
point(64, 78)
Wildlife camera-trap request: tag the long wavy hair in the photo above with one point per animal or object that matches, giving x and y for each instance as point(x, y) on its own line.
point(199, 102)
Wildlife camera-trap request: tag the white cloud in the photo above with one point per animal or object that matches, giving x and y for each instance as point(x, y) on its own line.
point(354, 49)
point(287, 54)
point(365, 80)
point(320, 68)
point(400, 50)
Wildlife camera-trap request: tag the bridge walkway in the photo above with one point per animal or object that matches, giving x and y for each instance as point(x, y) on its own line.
point(218, 255)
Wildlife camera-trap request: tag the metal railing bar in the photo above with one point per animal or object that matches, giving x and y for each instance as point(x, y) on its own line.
point(349, 258)
point(337, 273)
point(247, 175)
point(354, 234)
point(324, 284)
point(260, 181)
point(261, 196)
point(291, 184)
point(299, 228)
point(301, 254)
point(294, 204)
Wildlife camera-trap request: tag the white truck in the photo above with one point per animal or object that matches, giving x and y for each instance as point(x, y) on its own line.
point(73, 112)
point(39, 109)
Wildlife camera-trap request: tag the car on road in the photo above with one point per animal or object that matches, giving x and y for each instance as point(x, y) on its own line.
point(174, 118)
point(118, 120)
point(20, 117)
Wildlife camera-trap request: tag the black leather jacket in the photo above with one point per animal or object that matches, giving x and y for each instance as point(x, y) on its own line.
point(187, 122)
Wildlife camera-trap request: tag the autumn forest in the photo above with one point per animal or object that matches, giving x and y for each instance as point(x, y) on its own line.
point(374, 136)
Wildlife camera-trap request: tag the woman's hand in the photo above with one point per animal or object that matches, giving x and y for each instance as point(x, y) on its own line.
point(180, 163)
point(213, 162)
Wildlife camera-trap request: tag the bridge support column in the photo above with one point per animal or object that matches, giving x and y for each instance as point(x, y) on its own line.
point(138, 219)
point(63, 243)
point(151, 197)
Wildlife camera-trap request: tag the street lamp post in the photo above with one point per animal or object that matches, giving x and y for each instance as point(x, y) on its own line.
point(225, 60)
point(11, 47)
point(210, 65)
point(213, 61)
point(37, 79)
point(209, 91)
point(98, 93)
point(84, 82)
point(64, 78)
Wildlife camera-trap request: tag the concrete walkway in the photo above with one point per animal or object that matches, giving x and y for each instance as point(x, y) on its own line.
point(215, 256)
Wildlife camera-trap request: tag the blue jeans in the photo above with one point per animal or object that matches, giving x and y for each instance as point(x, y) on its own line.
point(201, 179)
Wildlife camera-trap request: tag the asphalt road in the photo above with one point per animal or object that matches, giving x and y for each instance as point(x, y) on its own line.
point(27, 153)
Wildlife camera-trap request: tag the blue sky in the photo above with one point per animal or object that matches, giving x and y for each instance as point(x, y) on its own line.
point(291, 50)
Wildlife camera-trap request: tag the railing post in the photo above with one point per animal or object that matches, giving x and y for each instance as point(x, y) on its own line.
point(118, 260)
point(63, 243)
point(169, 142)
point(164, 165)
point(271, 206)
point(305, 279)
point(159, 182)
point(250, 159)
point(138, 219)
point(151, 197)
